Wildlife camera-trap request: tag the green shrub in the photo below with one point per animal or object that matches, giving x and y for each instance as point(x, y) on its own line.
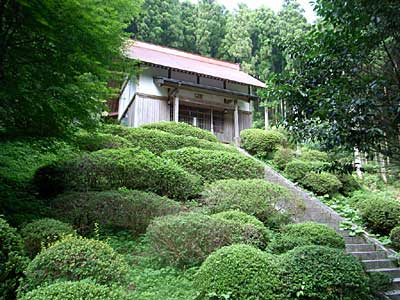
point(297, 169)
point(71, 290)
point(317, 272)
point(113, 168)
point(261, 143)
point(74, 259)
point(395, 238)
point(239, 272)
point(380, 214)
point(182, 129)
point(247, 229)
point(304, 234)
point(158, 141)
point(12, 260)
point(314, 155)
point(42, 233)
point(96, 141)
point(187, 239)
point(282, 157)
point(268, 202)
point(216, 165)
point(19, 160)
point(349, 184)
point(323, 183)
point(123, 209)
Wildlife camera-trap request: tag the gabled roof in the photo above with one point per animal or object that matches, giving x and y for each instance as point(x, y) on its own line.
point(184, 61)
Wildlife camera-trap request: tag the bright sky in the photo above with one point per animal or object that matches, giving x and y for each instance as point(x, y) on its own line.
point(275, 5)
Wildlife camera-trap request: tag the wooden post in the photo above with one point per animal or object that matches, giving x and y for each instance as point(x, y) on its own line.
point(266, 113)
point(212, 120)
point(176, 109)
point(236, 136)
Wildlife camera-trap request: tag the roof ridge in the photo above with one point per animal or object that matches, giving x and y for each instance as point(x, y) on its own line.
point(187, 54)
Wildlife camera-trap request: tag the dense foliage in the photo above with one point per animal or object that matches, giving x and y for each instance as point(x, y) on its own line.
point(239, 272)
point(261, 143)
point(42, 233)
point(74, 259)
point(395, 238)
point(86, 141)
point(323, 183)
point(122, 209)
point(56, 58)
point(216, 165)
point(12, 260)
point(115, 168)
point(282, 157)
point(182, 129)
point(304, 234)
point(158, 141)
point(248, 229)
point(71, 290)
point(266, 201)
point(317, 272)
point(186, 240)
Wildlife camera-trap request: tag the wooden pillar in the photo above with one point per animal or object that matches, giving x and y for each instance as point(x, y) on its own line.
point(212, 120)
point(176, 109)
point(236, 137)
point(266, 112)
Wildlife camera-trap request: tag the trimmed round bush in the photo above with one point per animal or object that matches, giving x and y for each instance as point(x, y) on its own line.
point(318, 272)
point(42, 233)
point(97, 141)
point(349, 184)
point(158, 141)
point(314, 155)
point(216, 165)
point(268, 202)
point(114, 168)
point(123, 209)
point(74, 259)
point(380, 214)
point(395, 238)
point(239, 272)
point(323, 183)
point(248, 229)
point(73, 290)
point(12, 260)
point(304, 234)
point(297, 169)
point(187, 239)
point(261, 143)
point(282, 157)
point(182, 129)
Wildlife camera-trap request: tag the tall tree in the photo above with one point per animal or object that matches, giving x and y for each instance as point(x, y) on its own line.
point(55, 60)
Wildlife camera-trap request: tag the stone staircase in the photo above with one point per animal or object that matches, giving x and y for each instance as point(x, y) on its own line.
point(374, 256)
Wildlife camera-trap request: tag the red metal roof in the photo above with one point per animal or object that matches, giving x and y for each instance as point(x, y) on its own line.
point(189, 62)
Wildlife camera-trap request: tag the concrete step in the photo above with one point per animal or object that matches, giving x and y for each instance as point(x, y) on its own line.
point(354, 240)
point(379, 263)
point(360, 247)
point(396, 283)
point(394, 295)
point(369, 255)
point(392, 272)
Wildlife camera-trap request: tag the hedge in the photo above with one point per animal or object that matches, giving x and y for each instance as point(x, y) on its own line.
point(12, 260)
point(395, 238)
point(42, 233)
point(261, 143)
point(304, 234)
point(317, 272)
point(323, 183)
point(314, 155)
point(74, 259)
point(186, 240)
point(96, 141)
point(123, 209)
point(247, 229)
point(379, 214)
point(282, 157)
point(182, 129)
point(216, 165)
point(158, 141)
point(297, 169)
point(114, 168)
point(71, 290)
point(239, 272)
point(268, 202)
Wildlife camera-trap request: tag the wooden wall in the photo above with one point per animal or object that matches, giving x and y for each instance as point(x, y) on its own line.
point(148, 110)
